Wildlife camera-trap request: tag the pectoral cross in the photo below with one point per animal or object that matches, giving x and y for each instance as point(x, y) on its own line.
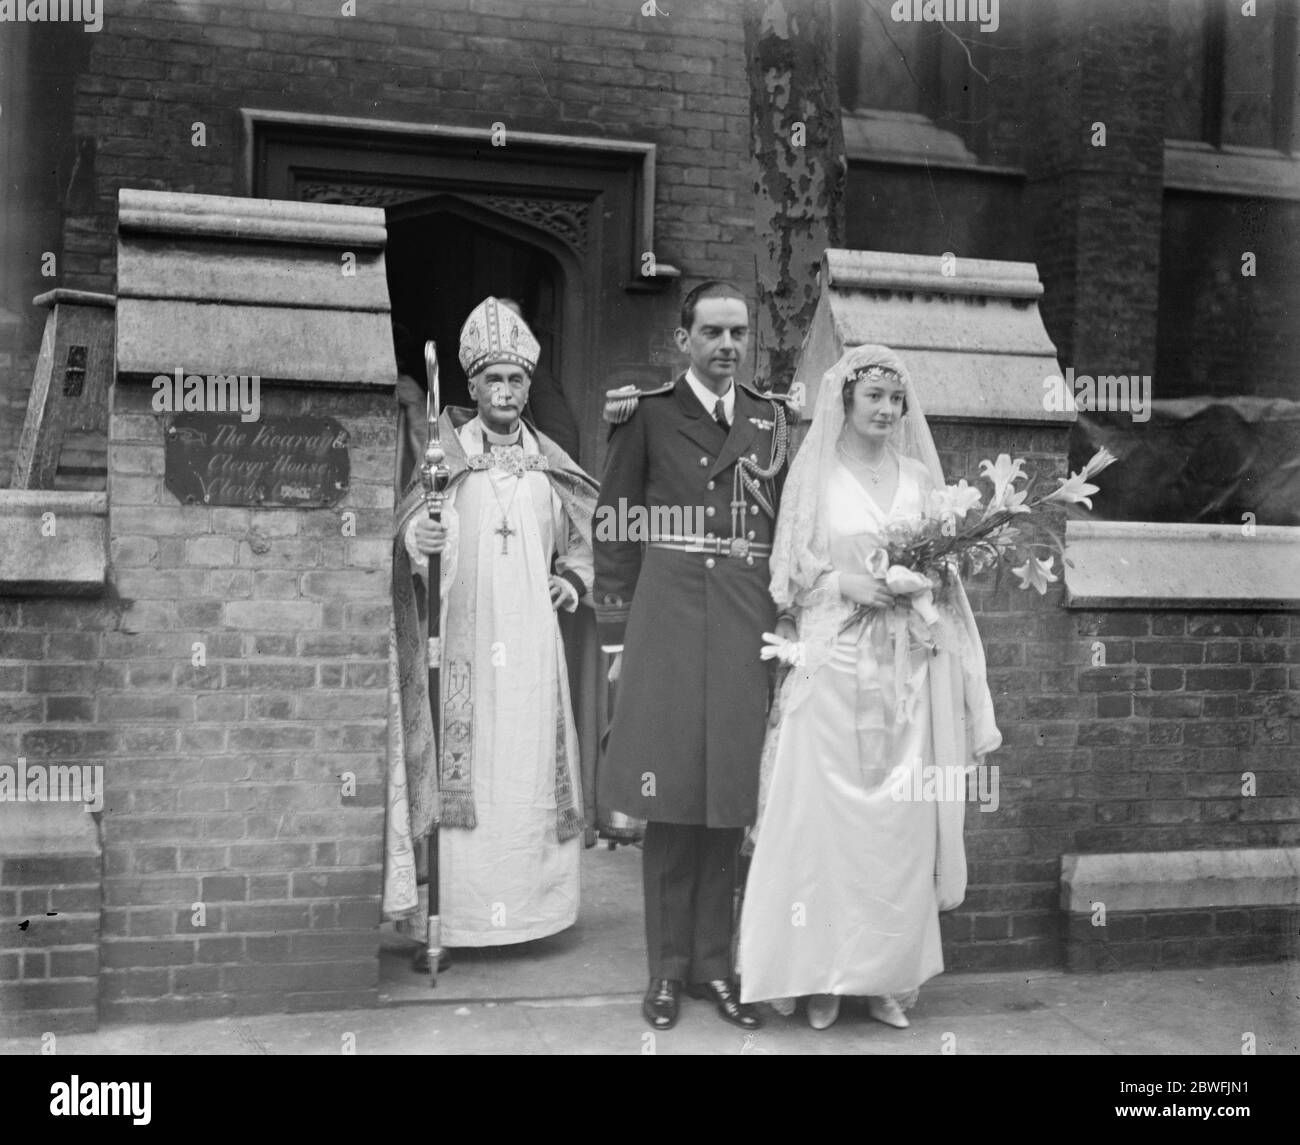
point(505, 532)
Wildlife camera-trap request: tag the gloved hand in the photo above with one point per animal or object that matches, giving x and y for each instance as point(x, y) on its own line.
point(787, 652)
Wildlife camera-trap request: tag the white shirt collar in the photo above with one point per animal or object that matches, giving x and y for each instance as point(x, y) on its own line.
point(709, 400)
point(475, 437)
point(492, 438)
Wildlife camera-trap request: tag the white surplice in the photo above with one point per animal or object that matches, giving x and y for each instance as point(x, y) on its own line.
point(510, 879)
point(841, 895)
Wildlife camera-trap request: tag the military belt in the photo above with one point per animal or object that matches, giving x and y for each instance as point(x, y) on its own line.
point(717, 546)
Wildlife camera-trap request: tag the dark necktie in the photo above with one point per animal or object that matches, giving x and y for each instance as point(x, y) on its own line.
point(720, 416)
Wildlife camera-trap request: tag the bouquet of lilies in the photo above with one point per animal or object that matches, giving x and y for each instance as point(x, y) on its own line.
point(961, 534)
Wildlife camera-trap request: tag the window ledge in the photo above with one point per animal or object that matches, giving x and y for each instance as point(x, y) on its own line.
point(1180, 880)
point(62, 829)
point(1259, 174)
point(73, 561)
point(907, 139)
point(1140, 564)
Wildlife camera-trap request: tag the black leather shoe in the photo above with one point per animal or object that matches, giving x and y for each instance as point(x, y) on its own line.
point(420, 962)
point(727, 998)
point(661, 1003)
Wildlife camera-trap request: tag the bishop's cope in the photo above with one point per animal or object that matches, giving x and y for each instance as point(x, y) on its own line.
point(503, 768)
point(687, 614)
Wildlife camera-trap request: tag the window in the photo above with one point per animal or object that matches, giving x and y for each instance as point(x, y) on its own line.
point(1232, 76)
point(934, 82)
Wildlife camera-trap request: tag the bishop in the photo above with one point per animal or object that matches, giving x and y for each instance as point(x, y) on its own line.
point(506, 756)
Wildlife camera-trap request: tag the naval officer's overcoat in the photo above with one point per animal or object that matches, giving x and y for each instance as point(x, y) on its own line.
point(692, 699)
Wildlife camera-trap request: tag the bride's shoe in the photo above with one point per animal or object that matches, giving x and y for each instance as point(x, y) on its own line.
point(783, 1006)
point(823, 1009)
point(885, 1009)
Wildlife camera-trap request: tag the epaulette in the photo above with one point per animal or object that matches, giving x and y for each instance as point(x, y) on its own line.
point(620, 404)
point(789, 402)
point(768, 395)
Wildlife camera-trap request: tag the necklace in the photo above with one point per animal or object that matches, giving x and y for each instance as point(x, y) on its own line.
point(504, 531)
point(874, 470)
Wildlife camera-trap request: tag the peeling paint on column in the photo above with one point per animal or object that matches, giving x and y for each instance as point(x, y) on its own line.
point(798, 190)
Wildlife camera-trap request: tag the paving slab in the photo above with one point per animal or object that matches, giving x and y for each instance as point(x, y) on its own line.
point(1047, 1013)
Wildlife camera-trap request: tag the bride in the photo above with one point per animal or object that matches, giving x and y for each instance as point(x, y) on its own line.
point(851, 866)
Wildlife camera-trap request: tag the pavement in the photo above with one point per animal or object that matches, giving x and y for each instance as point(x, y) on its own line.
point(1168, 1012)
point(579, 993)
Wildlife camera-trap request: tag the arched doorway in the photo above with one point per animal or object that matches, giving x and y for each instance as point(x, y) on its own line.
point(444, 256)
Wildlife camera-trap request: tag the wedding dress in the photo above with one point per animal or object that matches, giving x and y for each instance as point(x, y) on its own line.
point(850, 869)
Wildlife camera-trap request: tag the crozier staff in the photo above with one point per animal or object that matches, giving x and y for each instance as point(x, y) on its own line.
point(433, 479)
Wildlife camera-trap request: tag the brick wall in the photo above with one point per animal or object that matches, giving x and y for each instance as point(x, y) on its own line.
point(1222, 332)
point(573, 68)
point(1010, 916)
point(49, 943)
point(1092, 217)
point(49, 900)
point(1146, 940)
point(228, 789)
point(49, 653)
point(224, 779)
point(1143, 752)
point(583, 67)
point(1096, 208)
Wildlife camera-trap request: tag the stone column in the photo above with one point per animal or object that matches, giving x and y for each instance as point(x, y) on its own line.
point(247, 681)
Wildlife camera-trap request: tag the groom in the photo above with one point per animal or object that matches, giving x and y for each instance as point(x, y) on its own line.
point(688, 612)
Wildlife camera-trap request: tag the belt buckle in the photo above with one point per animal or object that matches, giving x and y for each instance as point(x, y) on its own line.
point(739, 547)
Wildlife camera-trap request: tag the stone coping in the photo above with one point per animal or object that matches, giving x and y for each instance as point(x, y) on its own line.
point(969, 332)
point(1181, 880)
point(260, 220)
point(1141, 564)
point(71, 562)
point(216, 284)
point(62, 295)
point(886, 270)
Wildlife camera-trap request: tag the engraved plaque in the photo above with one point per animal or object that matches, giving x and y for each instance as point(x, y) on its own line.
point(291, 462)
